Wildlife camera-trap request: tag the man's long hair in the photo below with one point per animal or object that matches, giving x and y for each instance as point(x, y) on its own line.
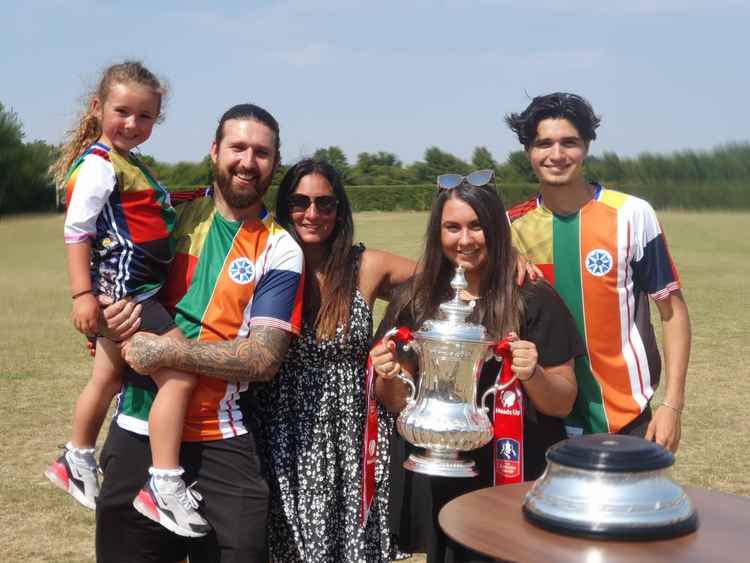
point(559, 105)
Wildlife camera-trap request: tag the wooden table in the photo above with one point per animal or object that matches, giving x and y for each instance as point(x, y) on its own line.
point(491, 522)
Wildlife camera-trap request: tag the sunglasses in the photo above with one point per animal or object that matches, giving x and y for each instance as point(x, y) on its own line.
point(325, 204)
point(478, 179)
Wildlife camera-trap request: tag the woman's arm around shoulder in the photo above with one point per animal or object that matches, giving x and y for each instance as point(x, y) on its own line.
point(380, 272)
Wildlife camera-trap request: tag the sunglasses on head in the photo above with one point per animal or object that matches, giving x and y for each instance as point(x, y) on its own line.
point(478, 179)
point(325, 204)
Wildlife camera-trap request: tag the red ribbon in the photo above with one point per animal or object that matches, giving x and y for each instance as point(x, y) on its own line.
point(403, 335)
point(508, 421)
point(370, 437)
point(369, 444)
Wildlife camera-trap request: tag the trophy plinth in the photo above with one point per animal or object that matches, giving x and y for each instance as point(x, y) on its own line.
point(441, 463)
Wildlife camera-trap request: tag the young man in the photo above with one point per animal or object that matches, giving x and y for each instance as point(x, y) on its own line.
point(604, 252)
point(236, 290)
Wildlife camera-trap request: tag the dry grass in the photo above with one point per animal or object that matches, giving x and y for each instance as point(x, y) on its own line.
point(43, 365)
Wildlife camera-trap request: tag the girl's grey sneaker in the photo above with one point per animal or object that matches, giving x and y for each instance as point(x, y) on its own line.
point(174, 506)
point(76, 473)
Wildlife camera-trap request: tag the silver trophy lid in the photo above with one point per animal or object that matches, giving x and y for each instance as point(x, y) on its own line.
point(453, 325)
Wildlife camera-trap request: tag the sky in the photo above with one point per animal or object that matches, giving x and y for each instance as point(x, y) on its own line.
point(390, 75)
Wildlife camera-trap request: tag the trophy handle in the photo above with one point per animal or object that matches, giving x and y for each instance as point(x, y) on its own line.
point(412, 387)
point(502, 352)
point(404, 336)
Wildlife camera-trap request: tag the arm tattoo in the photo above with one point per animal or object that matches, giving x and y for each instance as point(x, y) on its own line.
point(255, 358)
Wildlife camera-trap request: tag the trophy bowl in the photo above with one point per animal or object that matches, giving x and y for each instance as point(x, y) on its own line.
point(442, 416)
point(612, 487)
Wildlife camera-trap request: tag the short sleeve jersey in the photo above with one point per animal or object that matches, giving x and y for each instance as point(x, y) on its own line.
point(601, 261)
point(227, 276)
point(116, 203)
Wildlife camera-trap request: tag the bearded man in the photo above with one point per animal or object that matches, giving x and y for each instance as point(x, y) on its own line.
point(235, 288)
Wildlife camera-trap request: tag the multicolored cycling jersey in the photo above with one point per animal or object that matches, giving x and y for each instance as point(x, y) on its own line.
point(116, 203)
point(227, 277)
point(602, 260)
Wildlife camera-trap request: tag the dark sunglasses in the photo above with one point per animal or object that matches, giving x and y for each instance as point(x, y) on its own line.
point(478, 179)
point(325, 204)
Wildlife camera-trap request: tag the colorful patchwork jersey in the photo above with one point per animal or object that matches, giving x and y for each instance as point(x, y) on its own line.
point(116, 203)
point(603, 260)
point(227, 276)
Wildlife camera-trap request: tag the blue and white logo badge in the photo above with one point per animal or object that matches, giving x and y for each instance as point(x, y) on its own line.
point(507, 448)
point(241, 271)
point(598, 262)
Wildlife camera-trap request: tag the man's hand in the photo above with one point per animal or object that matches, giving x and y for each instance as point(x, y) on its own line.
point(665, 428)
point(526, 270)
point(147, 353)
point(119, 320)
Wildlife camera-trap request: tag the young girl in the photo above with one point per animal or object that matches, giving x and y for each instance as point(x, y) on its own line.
point(118, 244)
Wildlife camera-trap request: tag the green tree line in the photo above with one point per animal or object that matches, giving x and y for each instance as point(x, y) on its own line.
point(730, 163)
point(24, 183)
point(25, 186)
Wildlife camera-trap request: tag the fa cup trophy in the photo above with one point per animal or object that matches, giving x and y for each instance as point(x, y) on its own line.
point(442, 416)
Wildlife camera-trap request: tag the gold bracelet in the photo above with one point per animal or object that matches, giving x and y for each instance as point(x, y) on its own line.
point(671, 406)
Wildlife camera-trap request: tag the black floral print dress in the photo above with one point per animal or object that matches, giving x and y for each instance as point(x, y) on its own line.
point(313, 419)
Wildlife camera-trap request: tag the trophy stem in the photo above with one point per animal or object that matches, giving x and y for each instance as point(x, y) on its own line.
point(441, 463)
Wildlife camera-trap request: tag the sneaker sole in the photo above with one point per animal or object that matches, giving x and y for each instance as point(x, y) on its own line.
point(144, 504)
point(58, 476)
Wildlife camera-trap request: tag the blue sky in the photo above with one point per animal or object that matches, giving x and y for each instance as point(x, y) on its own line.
point(392, 75)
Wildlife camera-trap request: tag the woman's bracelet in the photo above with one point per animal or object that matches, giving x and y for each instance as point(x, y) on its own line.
point(77, 295)
point(537, 368)
point(671, 406)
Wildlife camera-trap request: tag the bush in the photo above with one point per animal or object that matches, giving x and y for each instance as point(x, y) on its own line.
point(419, 197)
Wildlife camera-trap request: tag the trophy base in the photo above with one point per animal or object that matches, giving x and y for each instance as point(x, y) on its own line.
point(441, 464)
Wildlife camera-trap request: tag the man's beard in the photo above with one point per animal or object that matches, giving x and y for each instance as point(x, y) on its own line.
point(235, 200)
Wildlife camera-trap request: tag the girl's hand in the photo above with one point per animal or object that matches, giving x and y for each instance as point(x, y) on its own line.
point(86, 314)
point(384, 360)
point(525, 357)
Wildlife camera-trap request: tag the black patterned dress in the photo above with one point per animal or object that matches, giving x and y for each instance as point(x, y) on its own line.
point(313, 419)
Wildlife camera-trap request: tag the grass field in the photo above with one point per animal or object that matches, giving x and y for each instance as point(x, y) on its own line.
point(43, 365)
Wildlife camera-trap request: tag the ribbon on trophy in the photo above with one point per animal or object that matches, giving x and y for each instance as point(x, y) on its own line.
point(370, 436)
point(508, 421)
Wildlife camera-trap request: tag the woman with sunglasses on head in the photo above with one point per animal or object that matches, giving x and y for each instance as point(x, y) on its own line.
point(467, 227)
point(313, 413)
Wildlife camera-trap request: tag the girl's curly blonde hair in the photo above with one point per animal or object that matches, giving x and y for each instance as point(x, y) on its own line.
point(89, 127)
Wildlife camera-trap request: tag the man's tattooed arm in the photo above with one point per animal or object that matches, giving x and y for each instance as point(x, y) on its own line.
point(255, 358)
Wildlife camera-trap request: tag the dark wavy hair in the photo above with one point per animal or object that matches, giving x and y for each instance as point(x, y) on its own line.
point(256, 113)
point(501, 306)
point(558, 105)
point(339, 269)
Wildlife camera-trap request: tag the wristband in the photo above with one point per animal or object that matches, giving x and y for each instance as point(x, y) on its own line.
point(671, 406)
point(77, 295)
point(533, 373)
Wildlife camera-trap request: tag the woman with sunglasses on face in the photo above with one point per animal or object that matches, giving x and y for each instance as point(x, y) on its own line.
point(313, 413)
point(467, 227)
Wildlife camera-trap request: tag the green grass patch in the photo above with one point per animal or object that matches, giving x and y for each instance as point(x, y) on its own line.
point(44, 365)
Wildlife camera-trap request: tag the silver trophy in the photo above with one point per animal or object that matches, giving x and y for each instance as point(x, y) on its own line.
point(444, 418)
